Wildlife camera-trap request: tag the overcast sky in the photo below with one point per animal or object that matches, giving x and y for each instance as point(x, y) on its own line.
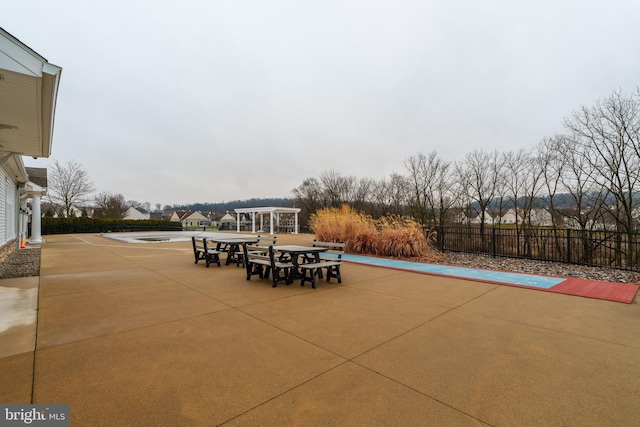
point(208, 101)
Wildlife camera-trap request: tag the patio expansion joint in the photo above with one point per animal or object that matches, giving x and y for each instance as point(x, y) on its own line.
point(547, 328)
point(350, 285)
point(139, 328)
point(272, 398)
point(153, 272)
point(444, 313)
point(435, 399)
point(35, 346)
point(352, 359)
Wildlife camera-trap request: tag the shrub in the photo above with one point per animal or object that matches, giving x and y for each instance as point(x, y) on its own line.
point(99, 225)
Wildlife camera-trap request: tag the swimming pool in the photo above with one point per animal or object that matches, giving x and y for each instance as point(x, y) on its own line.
point(167, 236)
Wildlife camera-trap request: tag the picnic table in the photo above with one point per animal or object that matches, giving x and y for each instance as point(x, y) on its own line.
point(231, 245)
point(299, 253)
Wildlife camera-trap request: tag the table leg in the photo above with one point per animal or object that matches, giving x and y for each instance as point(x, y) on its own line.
point(294, 272)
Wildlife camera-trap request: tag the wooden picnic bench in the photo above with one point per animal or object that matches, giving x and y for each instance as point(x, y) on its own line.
point(262, 263)
point(329, 260)
point(202, 252)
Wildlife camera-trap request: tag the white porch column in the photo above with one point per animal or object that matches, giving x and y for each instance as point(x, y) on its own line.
point(36, 220)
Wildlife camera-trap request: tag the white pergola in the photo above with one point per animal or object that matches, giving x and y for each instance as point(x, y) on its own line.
point(274, 214)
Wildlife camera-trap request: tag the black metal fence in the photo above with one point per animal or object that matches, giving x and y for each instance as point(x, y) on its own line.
point(595, 248)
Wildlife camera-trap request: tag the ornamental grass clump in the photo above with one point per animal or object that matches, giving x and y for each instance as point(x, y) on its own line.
point(344, 224)
point(401, 237)
point(391, 236)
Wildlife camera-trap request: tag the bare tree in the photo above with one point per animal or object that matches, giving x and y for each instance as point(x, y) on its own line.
point(110, 206)
point(417, 183)
point(336, 188)
point(569, 175)
point(514, 163)
point(432, 188)
point(69, 185)
point(609, 135)
point(308, 198)
point(553, 166)
point(523, 173)
point(360, 194)
point(390, 196)
point(479, 175)
point(568, 172)
point(445, 194)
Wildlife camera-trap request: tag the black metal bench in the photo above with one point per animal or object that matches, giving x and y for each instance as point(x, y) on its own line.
point(261, 263)
point(261, 241)
point(202, 252)
point(331, 260)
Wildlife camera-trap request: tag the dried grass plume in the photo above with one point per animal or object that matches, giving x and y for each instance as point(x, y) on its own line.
point(389, 236)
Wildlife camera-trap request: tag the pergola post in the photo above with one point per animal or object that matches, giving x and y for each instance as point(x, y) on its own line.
point(271, 222)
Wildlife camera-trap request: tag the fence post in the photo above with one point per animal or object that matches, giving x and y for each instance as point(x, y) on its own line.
point(568, 245)
point(493, 241)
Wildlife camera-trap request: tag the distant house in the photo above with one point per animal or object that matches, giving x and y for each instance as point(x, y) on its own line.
point(138, 213)
point(74, 211)
point(541, 217)
point(537, 217)
point(190, 218)
point(488, 219)
point(156, 216)
point(227, 222)
point(167, 214)
point(510, 216)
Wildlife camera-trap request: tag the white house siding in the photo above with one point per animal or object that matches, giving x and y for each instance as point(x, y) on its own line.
point(3, 213)
point(133, 213)
point(8, 195)
point(10, 209)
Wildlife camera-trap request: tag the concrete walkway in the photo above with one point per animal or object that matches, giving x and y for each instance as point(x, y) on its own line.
point(139, 335)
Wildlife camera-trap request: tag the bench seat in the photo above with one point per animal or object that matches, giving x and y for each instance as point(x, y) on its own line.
point(201, 251)
point(312, 270)
point(329, 260)
point(265, 263)
point(261, 245)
